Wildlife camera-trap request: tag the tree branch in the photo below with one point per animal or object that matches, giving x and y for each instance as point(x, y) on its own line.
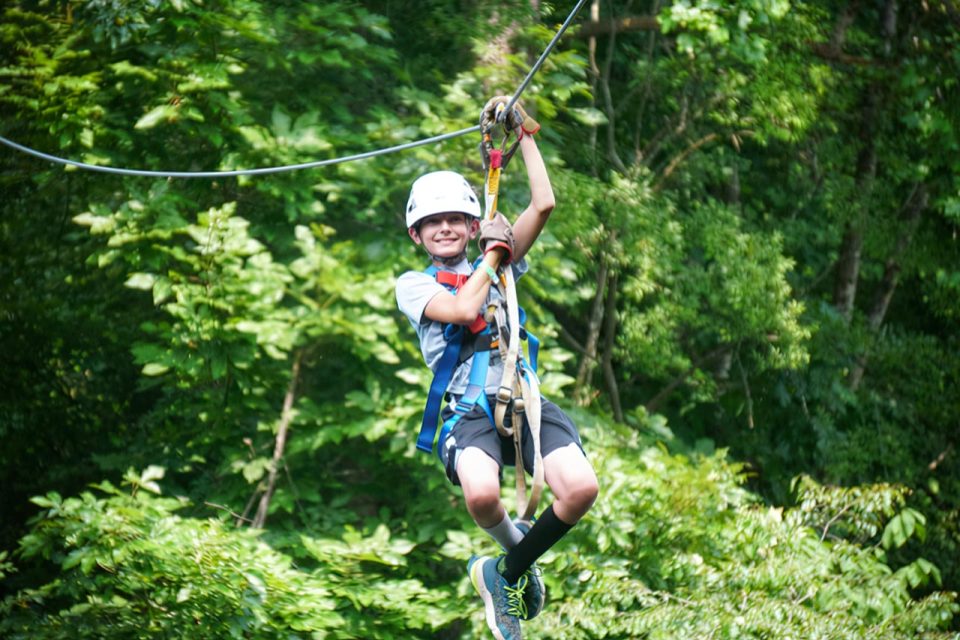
point(830, 51)
point(915, 206)
point(596, 28)
point(683, 155)
point(654, 403)
point(940, 458)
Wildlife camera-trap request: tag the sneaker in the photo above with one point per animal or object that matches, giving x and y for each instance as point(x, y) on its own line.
point(504, 604)
point(535, 592)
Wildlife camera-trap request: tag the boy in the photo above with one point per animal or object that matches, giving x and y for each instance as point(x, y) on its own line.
point(443, 215)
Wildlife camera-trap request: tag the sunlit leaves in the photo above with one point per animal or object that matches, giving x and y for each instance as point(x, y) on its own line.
point(681, 549)
point(130, 566)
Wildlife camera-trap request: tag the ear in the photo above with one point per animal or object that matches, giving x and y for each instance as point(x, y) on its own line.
point(414, 235)
point(473, 228)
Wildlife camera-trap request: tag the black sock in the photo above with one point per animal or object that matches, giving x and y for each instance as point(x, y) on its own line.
point(545, 533)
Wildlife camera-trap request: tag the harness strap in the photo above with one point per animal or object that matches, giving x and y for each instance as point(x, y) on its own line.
point(530, 391)
point(459, 347)
point(454, 281)
point(473, 395)
point(438, 388)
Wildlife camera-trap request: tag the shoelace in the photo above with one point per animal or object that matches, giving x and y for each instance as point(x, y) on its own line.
point(515, 604)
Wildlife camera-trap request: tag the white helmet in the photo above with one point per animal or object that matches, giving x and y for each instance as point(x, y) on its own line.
point(441, 192)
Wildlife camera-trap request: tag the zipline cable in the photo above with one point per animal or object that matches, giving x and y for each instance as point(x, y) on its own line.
point(543, 56)
point(303, 165)
point(236, 172)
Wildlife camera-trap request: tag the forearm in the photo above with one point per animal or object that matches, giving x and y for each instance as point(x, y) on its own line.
point(474, 291)
point(468, 302)
point(541, 192)
point(529, 224)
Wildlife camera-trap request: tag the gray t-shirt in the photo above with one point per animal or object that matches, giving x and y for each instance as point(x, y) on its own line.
point(415, 289)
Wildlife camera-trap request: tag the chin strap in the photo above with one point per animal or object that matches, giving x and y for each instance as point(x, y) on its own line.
point(449, 262)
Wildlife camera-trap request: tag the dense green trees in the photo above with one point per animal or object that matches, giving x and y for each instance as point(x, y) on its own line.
point(749, 287)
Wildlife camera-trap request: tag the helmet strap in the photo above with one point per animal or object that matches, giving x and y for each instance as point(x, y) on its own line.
point(451, 261)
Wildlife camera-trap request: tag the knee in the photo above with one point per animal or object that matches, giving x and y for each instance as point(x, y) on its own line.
point(584, 493)
point(482, 499)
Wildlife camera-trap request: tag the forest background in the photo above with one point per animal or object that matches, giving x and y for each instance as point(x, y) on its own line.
point(748, 295)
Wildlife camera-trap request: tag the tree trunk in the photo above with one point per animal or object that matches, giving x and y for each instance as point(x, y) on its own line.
point(280, 443)
point(609, 343)
point(848, 262)
point(891, 273)
point(581, 391)
point(848, 270)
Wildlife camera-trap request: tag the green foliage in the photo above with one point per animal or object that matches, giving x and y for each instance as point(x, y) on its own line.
point(130, 566)
point(676, 548)
point(706, 172)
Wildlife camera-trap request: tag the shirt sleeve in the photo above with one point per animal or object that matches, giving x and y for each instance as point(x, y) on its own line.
point(519, 268)
point(414, 291)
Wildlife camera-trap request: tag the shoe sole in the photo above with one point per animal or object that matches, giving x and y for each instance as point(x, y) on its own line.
point(476, 577)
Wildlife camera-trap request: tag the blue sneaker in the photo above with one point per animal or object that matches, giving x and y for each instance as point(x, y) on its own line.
point(535, 592)
point(503, 603)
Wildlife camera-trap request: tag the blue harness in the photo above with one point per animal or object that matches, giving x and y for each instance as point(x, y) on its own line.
point(459, 340)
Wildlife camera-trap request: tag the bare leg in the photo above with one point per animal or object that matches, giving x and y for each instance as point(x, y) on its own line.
point(480, 479)
point(574, 484)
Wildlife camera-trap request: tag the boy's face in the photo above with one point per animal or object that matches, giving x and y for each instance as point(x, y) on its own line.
point(445, 235)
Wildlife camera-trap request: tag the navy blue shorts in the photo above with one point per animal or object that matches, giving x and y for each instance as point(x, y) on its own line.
point(475, 429)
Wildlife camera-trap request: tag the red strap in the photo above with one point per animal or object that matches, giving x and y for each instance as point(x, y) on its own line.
point(457, 280)
point(451, 279)
point(478, 325)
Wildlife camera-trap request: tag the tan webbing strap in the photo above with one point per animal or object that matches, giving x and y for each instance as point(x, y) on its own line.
point(531, 393)
point(507, 389)
point(517, 384)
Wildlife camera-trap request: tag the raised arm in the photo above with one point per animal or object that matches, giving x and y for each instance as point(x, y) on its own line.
point(529, 224)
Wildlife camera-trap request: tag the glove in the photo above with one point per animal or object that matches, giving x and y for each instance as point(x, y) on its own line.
point(516, 119)
point(519, 118)
point(488, 116)
point(497, 234)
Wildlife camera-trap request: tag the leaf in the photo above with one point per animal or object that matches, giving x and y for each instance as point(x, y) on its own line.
point(52, 499)
point(153, 117)
point(589, 116)
point(898, 530)
point(142, 281)
point(154, 369)
point(152, 472)
point(97, 224)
